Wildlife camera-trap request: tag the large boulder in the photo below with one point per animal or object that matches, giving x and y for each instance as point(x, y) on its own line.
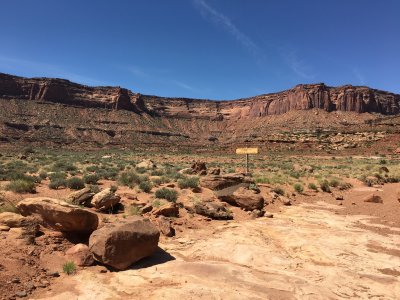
point(165, 226)
point(81, 197)
point(245, 198)
point(169, 209)
point(213, 210)
point(80, 255)
point(119, 245)
point(105, 199)
point(59, 214)
point(248, 199)
point(14, 220)
point(221, 182)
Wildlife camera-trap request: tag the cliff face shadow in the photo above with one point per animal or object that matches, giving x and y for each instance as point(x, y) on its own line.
point(159, 257)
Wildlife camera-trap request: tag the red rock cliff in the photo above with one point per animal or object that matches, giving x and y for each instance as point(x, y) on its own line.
point(302, 97)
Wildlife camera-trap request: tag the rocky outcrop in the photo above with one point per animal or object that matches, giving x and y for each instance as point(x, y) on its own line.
point(119, 245)
point(59, 215)
point(81, 197)
point(106, 199)
point(245, 199)
point(302, 97)
point(80, 255)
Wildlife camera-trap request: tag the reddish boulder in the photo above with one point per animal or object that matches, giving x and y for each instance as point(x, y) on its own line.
point(80, 255)
point(119, 245)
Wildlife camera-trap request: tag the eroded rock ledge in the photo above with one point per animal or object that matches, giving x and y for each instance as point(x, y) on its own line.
point(302, 97)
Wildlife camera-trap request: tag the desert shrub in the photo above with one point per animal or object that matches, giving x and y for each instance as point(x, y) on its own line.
point(130, 178)
point(156, 203)
point(278, 191)
point(69, 268)
point(21, 186)
point(108, 173)
point(157, 172)
point(63, 165)
point(94, 188)
point(113, 188)
point(57, 183)
point(324, 185)
point(383, 162)
point(312, 186)
point(57, 175)
point(253, 187)
point(91, 178)
point(141, 170)
point(298, 188)
point(262, 179)
point(92, 169)
point(188, 182)
point(167, 194)
point(145, 186)
point(334, 182)
point(160, 180)
point(75, 183)
point(134, 211)
point(345, 186)
point(43, 175)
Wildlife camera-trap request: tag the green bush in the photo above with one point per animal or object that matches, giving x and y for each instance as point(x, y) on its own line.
point(141, 170)
point(312, 186)
point(334, 182)
point(145, 186)
point(345, 186)
point(278, 191)
point(69, 268)
point(57, 183)
point(131, 178)
point(167, 194)
point(21, 186)
point(298, 188)
point(57, 175)
point(157, 172)
point(91, 178)
point(43, 175)
point(188, 182)
point(75, 183)
point(157, 180)
point(325, 186)
point(63, 166)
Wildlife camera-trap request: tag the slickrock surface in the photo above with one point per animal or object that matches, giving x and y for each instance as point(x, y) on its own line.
point(307, 252)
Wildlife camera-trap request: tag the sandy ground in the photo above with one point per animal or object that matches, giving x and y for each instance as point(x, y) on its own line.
point(306, 252)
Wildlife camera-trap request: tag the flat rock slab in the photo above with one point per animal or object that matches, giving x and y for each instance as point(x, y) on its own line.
point(59, 215)
point(308, 252)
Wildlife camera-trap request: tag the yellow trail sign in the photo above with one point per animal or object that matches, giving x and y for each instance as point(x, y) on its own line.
point(247, 151)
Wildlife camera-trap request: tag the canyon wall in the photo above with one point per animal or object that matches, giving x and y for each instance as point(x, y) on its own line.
point(302, 97)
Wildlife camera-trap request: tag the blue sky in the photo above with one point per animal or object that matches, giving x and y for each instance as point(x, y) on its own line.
point(213, 49)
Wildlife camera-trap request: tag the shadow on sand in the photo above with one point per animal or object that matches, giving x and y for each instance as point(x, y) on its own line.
point(159, 257)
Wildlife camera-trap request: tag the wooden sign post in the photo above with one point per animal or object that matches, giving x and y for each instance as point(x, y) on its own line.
point(247, 151)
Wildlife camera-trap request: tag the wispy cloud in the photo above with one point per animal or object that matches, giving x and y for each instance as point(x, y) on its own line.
point(211, 14)
point(185, 86)
point(299, 66)
point(359, 76)
point(138, 72)
point(21, 66)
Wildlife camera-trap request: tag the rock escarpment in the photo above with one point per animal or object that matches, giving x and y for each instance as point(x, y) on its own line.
point(302, 97)
point(50, 112)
